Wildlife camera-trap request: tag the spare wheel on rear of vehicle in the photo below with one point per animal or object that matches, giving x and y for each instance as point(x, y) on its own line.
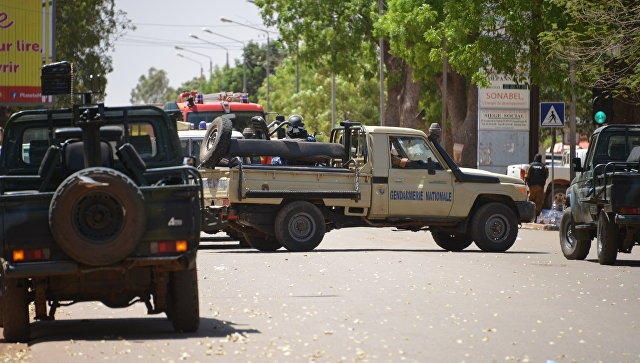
point(216, 142)
point(97, 216)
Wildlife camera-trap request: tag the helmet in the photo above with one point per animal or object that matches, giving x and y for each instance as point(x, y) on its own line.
point(295, 129)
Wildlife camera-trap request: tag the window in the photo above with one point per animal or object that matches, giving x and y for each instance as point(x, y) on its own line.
point(35, 142)
point(143, 138)
point(415, 149)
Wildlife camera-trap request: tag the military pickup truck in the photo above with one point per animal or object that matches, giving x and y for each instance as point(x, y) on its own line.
point(604, 198)
point(365, 176)
point(95, 205)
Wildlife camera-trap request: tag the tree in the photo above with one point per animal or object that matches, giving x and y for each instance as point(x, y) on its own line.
point(336, 37)
point(85, 34)
point(356, 100)
point(152, 88)
point(603, 39)
point(475, 37)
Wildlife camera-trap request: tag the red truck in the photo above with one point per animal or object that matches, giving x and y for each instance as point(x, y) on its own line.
point(194, 107)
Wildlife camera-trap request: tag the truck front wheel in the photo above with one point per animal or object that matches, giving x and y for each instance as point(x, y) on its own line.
point(15, 310)
point(608, 237)
point(573, 247)
point(451, 241)
point(494, 227)
point(300, 226)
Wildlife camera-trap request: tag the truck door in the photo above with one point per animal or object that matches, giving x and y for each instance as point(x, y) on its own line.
point(413, 192)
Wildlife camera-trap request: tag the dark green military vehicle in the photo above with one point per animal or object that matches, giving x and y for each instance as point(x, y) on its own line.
point(95, 205)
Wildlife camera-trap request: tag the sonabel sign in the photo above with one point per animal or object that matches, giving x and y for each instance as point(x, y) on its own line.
point(21, 51)
point(503, 98)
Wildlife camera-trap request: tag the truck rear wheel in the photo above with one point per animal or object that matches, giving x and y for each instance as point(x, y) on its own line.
point(494, 227)
point(97, 216)
point(15, 310)
point(451, 241)
point(573, 247)
point(183, 305)
point(608, 236)
point(299, 226)
point(216, 141)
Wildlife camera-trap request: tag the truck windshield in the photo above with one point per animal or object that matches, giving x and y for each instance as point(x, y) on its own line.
point(615, 146)
point(240, 119)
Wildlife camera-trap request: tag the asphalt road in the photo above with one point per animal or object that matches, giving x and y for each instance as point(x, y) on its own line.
point(373, 295)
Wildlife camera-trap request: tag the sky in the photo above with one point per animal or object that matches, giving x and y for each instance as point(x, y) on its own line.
point(162, 24)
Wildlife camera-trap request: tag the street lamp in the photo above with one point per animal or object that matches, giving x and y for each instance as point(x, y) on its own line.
point(212, 43)
point(193, 60)
point(177, 47)
point(225, 20)
point(244, 61)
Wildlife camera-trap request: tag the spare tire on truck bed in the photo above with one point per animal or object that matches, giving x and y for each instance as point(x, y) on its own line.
point(216, 142)
point(97, 216)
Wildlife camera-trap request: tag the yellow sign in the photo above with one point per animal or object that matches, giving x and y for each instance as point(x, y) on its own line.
point(21, 51)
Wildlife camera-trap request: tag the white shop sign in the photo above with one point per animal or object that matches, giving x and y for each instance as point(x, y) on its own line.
point(515, 120)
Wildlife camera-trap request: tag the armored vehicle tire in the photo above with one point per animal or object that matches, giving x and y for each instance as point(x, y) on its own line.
point(97, 216)
point(263, 244)
point(573, 247)
point(216, 140)
point(608, 236)
point(299, 226)
point(494, 227)
point(183, 305)
point(15, 310)
point(451, 241)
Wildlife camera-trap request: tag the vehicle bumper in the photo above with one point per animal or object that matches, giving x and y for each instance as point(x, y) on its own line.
point(526, 211)
point(57, 268)
point(627, 219)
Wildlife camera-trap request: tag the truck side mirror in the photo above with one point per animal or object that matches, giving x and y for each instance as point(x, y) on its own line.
point(577, 165)
point(431, 167)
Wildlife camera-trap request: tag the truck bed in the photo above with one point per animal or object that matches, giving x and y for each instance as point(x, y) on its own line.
point(270, 184)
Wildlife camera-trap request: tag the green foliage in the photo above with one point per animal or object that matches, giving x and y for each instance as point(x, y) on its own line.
point(85, 33)
point(603, 38)
point(337, 34)
point(194, 84)
point(153, 88)
point(355, 101)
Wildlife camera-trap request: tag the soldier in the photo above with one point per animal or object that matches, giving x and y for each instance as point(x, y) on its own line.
point(536, 178)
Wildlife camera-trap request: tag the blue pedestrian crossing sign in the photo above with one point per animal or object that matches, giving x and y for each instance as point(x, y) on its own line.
point(551, 114)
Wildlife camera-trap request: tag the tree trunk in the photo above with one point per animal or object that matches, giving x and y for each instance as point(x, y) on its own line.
point(409, 113)
point(462, 104)
point(394, 67)
point(403, 94)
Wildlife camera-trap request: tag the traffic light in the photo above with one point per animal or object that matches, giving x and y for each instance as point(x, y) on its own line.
point(602, 106)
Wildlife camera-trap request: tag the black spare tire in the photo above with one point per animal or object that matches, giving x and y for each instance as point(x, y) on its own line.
point(97, 216)
point(216, 142)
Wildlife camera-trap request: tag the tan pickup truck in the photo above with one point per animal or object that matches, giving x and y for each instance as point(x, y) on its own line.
point(365, 176)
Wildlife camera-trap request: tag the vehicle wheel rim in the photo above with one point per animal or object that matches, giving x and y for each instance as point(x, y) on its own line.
point(211, 138)
point(569, 238)
point(301, 227)
point(98, 216)
point(496, 228)
point(599, 237)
